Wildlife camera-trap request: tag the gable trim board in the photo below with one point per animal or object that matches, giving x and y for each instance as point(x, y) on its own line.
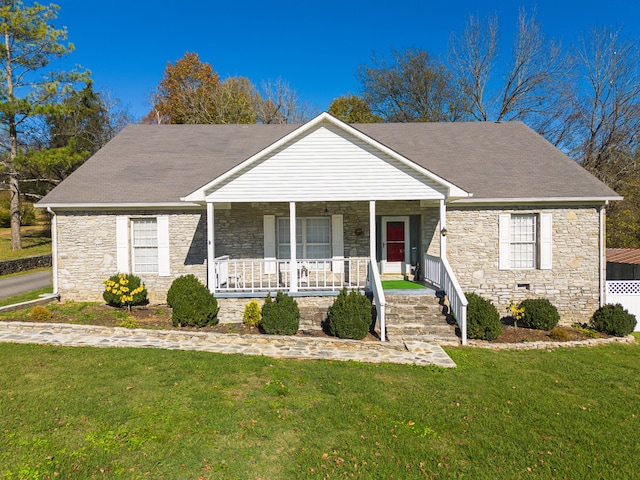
point(303, 142)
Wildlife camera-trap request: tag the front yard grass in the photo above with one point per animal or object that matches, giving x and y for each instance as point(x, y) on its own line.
point(36, 240)
point(135, 413)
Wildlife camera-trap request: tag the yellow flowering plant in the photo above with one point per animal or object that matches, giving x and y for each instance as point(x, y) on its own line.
point(124, 289)
point(516, 311)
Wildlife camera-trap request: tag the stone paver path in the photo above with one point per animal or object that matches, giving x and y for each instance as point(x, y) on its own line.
point(297, 347)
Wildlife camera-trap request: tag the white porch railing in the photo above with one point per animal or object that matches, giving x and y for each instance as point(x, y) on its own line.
point(268, 275)
point(375, 285)
point(432, 270)
point(449, 284)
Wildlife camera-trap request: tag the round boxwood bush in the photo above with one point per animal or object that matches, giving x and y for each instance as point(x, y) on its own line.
point(280, 316)
point(613, 320)
point(192, 304)
point(483, 319)
point(350, 315)
point(124, 289)
point(539, 314)
point(182, 286)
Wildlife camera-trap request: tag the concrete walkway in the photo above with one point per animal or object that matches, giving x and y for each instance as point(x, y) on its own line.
point(294, 347)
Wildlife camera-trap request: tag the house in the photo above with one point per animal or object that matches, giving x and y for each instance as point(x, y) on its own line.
point(490, 208)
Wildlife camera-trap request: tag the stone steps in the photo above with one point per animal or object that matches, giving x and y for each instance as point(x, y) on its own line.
point(418, 317)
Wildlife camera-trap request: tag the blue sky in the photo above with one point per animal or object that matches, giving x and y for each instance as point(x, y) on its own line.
point(315, 46)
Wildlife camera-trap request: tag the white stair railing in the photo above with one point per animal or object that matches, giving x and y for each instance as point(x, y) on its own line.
point(375, 285)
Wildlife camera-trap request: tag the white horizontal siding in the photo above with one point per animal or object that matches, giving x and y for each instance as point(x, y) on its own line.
point(327, 164)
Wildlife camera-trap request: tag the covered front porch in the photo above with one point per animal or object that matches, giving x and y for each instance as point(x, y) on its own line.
point(356, 253)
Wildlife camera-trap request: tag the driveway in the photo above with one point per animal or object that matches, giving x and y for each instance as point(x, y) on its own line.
point(16, 285)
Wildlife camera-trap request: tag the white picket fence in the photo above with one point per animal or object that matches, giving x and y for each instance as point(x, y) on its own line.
point(626, 293)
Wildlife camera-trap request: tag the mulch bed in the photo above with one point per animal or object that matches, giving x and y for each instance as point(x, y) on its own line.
point(158, 317)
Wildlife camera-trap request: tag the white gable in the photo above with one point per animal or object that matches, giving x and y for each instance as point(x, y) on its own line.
point(327, 163)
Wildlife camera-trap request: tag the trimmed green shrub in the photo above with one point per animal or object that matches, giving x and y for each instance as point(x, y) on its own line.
point(280, 316)
point(182, 286)
point(124, 289)
point(251, 314)
point(350, 315)
point(539, 314)
point(483, 319)
point(192, 304)
point(40, 313)
point(613, 320)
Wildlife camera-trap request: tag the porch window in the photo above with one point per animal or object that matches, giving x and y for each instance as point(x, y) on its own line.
point(313, 238)
point(144, 243)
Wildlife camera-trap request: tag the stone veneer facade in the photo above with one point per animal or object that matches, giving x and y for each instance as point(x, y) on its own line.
point(573, 282)
point(87, 252)
point(87, 249)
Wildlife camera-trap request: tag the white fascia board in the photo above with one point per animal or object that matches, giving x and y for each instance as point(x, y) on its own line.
point(106, 206)
point(453, 190)
point(521, 201)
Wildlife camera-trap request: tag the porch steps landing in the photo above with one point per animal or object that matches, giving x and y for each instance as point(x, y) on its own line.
point(418, 317)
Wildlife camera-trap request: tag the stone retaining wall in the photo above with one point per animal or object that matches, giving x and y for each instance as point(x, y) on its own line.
point(22, 264)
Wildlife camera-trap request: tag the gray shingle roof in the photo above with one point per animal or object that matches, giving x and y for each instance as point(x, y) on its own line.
point(162, 163)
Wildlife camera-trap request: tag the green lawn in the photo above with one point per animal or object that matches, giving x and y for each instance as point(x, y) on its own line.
point(36, 240)
point(140, 413)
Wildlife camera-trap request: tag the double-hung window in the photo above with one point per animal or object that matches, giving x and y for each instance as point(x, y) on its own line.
point(522, 240)
point(313, 238)
point(144, 243)
point(525, 241)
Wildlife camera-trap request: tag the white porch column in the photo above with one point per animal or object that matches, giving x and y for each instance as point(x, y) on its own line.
point(443, 229)
point(443, 240)
point(372, 230)
point(211, 250)
point(293, 271)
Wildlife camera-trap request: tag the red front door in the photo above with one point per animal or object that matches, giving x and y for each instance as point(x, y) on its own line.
point(395, 242)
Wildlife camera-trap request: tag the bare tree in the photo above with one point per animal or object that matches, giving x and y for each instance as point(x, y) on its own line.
point(281, 104)
point(607, 105)
point(533, 82)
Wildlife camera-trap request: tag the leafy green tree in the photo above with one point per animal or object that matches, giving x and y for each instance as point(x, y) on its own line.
point(83, 117)
point(352, 109)
point(412, 87)
point(30, 44)
point(186, 92)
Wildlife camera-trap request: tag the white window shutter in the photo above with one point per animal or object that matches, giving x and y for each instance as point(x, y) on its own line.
point(337, 243)
point(546, 236)
point(269, 224)
point(163, 247)
point(122, 243)
point(504, 246)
